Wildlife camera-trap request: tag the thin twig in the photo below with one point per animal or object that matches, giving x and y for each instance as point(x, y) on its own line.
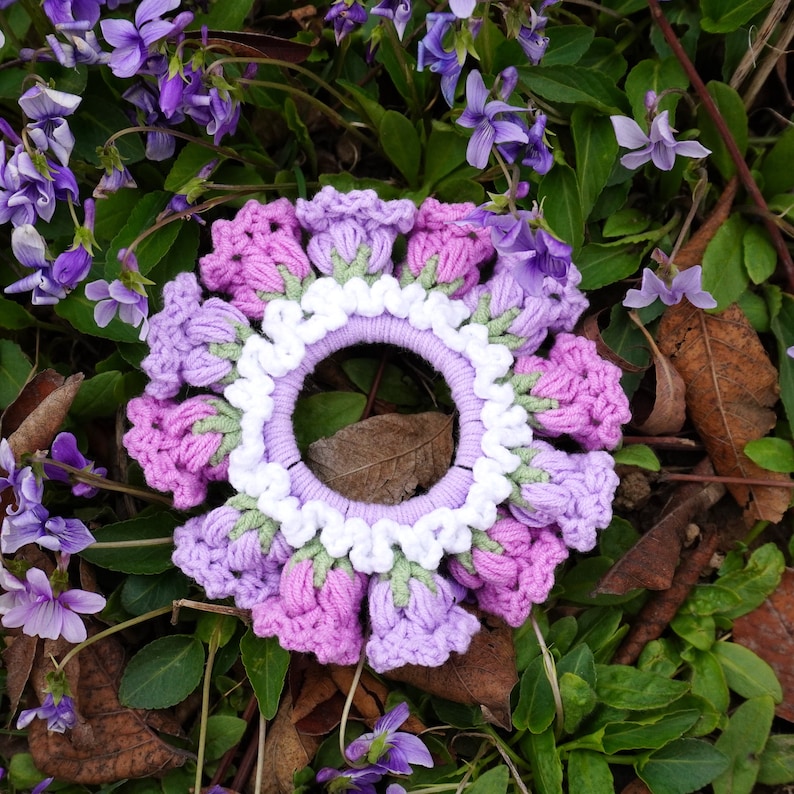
point(763, 71)
point(750, 58)
point(667, 476)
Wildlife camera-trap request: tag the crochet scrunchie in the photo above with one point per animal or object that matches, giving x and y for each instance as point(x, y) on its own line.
point(226, 370)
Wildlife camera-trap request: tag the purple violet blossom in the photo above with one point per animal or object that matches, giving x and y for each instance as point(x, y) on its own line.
point(480, 115)
point(685, 284)
point(30, 249)
point(63, 12)
point(462, 9)
point(40, 612)
point(80, 47)
point(660, 146)
point(73, 265)
point(116, 175)
point(388, 749)
point(534, 153)
point(40, 787)
point(398, 11)
point(132, 42)
point(28, 489)
point(60, 716)
point(159, 145)
point(346, 15)
point(48, 129)
point(790, 351)
point(125, 295)
point(67, 535)
point(531, 39)
point(432, 55)
point(64, 449)
point(360, 780)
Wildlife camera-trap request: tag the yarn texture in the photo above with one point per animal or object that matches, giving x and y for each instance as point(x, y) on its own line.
point(285, 287)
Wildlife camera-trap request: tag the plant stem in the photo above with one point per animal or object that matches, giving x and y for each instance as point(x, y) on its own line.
point(212, 649)
point(349, 703)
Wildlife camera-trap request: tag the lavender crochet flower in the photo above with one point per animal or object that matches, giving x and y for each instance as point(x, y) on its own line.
point(283, 289)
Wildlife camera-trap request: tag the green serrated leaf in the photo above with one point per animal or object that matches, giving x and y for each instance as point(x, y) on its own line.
point(14, 370)
point(163, 673)
point(625, 222)
point(628, 688)
point(742, 742)
point(681, 767)
point(747, 674)
point(401, 144)
point(596, 151)
point(578, 700)
point(266, 664)
point(724, 275)
point(137, 557)
point(774, 454)
point(660, 657)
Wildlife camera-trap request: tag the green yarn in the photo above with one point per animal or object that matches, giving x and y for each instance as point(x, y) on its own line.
point(522, 386)
point(497, 326)
point(322, 562)
point(251, 519)
point(481, 540)
point(344, 270)
point(401, 573)
point(226, 422)
point(293, 288)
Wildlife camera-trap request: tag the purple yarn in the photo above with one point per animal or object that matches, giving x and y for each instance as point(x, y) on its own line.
point(180, 337)
point(577, 499)
point(425, 631)
point(323, 620)
point(343, 222)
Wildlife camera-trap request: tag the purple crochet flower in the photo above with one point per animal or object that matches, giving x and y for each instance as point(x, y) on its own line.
point(660, 146)
point(60, 716)
point(64, 449)
point(387, 749)
point(47, 128)
point(398, 11)
point(488, 130)
point(684, 284)
point(34, 607)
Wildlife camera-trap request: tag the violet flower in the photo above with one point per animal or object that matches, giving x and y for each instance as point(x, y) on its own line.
point(67, 535)
point(790, 351)
point(462, 9)
point(60, 716)
point(551, 257)
point(398, 11)
point(480, 115)
point(34, 607)
point(684, 284)
point(159, 145)
point(48, 129)
point(40, 787)
point(660, 147)
point(73, 265)
point(125, 295)
point(360, 780)
point(80, 47)
point(30, 249)
point(388, 749)
point(64, 449)
point(531, 39)
point(28, 488)
point(116, 175)
point(535, 153)
point(431, 54)
point(131, 42)
point(62, 12)
point(346, 15)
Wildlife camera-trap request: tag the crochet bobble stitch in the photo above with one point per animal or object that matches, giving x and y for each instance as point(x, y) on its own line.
point(307, 561)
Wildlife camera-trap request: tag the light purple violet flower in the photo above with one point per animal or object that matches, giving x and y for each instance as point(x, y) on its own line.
point(534, 153)
point(685, 284)
point(660, 147)
point(48, 129)
point(480, 115)
point(28, 488)
point(61, 12)
point(359, 780)
point(159, 145)
point(551, 258)
point(131, 42)
point(40, 787)
point(462, 9)
point(432, 55)
point(346, 15)
point(80, 47)
point(125, 295)
point(30, 249)
point(531, 39)
point(40, 612)
point(64, 449)
point(790, 351)
point(388, 749)
point(116, 175)
point(398, 11)
point(73, 265)
point(60, 716)
point(67, 535)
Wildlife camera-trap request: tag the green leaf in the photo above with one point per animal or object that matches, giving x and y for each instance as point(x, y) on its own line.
point(776, 169)
point(783, 327)
point(457, 188)
point(97, 396)
point(394, 386)
point(651, 734)
point(14, 370)
point(494, 781)
point(742, 742)
point(211, 624)
point(574, 85)
point(99, 116)
point(562, 208)
point(13, 316)
point(601, 264)
point(747, 674)
point(640, 455)
point(655, 75)
point(596, 151)
point(301, 132)
point(625, 223)
point(660, 657)
point(142, 594)
point(774, 454)
point(589, 773)
point(401, 144)
point(578, 700)
point(731, 108)
point(321, 415)
point(266, 664)
point(163, 673)
point(544, 759)
point(724, 16)
point(446, 152)
point(224, 15)
point(760, 257)
point(708, 678)
point(136, 558)
point(628, 688)
point(152, 248)
point(535, 709)
point(223, 732)
point(79, 311)
point(190, 160)
point(567, 44)
point(777, 761)
point(698, 630)
point(363, 104)
point(724, 275)
point(682, 766)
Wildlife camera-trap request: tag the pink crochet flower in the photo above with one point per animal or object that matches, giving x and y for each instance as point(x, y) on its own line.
point(248, 252)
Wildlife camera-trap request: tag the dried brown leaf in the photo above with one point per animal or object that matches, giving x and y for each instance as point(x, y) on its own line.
point(33, 393)
point(110, 742)
point(731, 386)
point(385, 459)
point(18, 660)
point(39, 427)
point(591, 330)
point(769, 632)
point(286, 750)
point(483, 676)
